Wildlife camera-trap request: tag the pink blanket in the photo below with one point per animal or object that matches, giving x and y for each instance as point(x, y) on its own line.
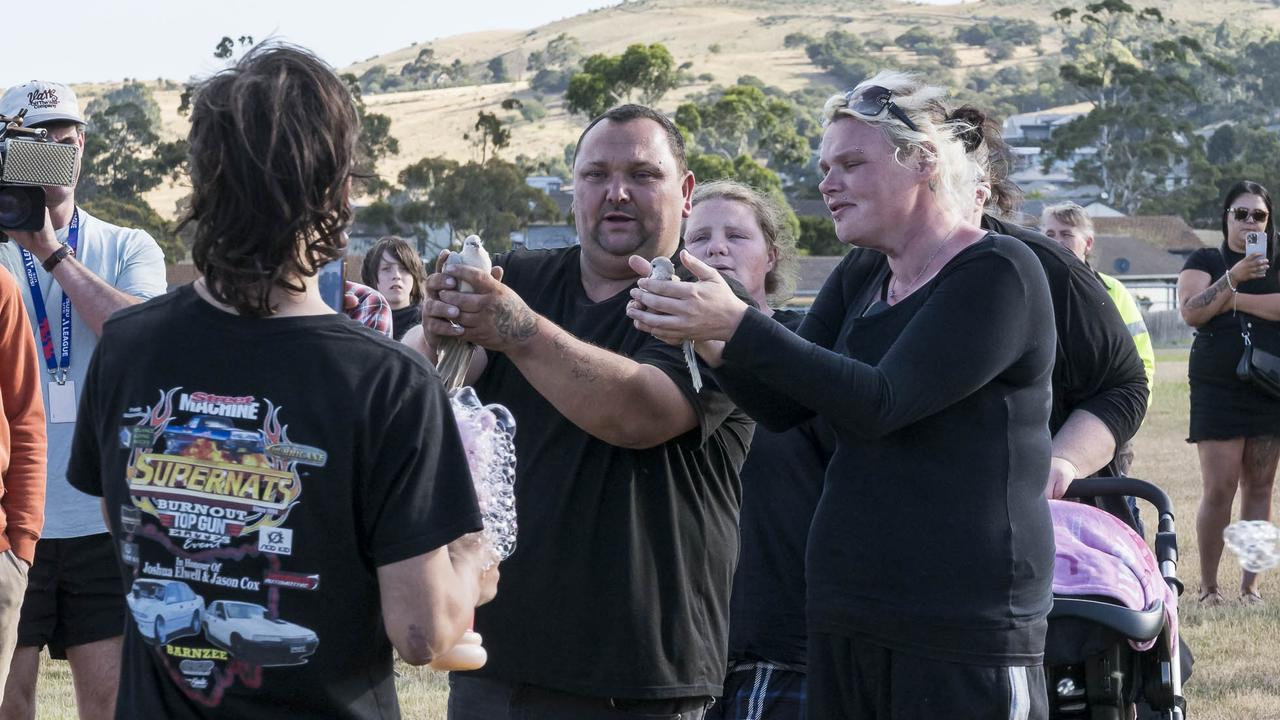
point(1097, 554)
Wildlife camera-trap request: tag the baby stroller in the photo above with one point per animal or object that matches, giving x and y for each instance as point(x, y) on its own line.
point(1093, 670)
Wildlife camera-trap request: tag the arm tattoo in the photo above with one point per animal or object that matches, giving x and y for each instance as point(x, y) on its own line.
point(1206, 298)
point(578, 365)
point(514, 321)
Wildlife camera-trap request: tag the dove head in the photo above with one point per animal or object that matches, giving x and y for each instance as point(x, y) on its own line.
point(663, 266)
point(473, 242)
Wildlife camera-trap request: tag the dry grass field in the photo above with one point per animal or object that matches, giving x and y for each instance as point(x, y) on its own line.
point(1237, 648)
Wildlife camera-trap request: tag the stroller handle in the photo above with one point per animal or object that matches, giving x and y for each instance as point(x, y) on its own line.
point(1095, 486)
point(1166, 541)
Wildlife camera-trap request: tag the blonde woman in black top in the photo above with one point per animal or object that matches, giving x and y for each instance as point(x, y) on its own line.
point(930, 557)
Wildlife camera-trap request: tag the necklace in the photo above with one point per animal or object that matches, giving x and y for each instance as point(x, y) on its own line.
point(894, 295)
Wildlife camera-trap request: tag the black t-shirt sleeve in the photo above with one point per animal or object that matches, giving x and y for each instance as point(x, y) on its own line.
point(417, 494)
point(1204, 261)
point(84, 466)
point(711, 406)
point(973, 327)
point(1104, 370)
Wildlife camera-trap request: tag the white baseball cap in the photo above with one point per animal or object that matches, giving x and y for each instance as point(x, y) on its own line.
point(44, 101)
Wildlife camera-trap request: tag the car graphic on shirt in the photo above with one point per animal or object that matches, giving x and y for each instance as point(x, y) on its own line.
point(165, 610)
point(244, 630)
point(226, 436)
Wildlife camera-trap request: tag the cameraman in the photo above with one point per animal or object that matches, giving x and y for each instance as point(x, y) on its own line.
point(73, 602)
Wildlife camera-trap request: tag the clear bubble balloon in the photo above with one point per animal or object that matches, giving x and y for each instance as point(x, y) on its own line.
point(1256, 544)
point(488, 436)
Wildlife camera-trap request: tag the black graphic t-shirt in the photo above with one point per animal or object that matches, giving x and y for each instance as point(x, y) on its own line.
point(256, 473)
point(619, 584)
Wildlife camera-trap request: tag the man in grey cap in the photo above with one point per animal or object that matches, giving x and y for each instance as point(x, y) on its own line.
point(74, 273)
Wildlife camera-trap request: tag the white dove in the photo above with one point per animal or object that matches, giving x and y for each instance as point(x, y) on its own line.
point(454, 354)
point(663, 269)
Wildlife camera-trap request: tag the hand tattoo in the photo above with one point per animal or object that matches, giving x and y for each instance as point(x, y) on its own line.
point(514, 320)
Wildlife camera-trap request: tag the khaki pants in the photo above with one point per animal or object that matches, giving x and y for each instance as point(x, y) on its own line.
point(13, 586)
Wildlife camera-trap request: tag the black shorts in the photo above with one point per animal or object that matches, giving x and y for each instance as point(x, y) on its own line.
point(856, 679)
point(74, 595)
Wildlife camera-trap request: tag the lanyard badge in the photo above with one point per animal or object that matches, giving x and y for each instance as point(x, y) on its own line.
point(58, 367)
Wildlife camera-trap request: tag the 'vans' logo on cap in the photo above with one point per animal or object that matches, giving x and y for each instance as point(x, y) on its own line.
point(47, 98)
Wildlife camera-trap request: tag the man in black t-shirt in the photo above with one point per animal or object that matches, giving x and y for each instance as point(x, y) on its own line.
point(616, 599)
point(286, 490)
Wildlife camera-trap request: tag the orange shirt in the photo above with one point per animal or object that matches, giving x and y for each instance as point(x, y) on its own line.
point(22, 435)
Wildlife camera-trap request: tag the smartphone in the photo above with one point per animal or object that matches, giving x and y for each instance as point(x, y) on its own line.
point(1255, 243)
point(332, 283)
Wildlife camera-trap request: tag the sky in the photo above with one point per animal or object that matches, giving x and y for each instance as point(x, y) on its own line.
point(109, 40)
point(106, 40)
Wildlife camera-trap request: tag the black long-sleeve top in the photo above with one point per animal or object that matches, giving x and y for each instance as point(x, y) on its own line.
point(932, 534)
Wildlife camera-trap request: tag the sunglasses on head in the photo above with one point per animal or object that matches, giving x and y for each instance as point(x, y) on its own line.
point(873, 102)
point(1241, 214)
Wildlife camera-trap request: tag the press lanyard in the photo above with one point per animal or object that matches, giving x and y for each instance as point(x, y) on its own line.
point(57, 368)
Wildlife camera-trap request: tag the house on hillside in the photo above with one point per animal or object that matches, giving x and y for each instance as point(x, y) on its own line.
point(1146, 253)
point(545, 236)
point(1039, 126)
point(546, 183)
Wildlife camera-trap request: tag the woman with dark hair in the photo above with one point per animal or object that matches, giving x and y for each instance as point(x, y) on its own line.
point(393, 268)
point(1235, 426)
point(279, 461)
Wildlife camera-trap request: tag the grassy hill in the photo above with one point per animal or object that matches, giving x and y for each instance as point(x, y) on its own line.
point(721, 39)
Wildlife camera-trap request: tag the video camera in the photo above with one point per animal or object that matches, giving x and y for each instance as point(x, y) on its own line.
point(29, 160)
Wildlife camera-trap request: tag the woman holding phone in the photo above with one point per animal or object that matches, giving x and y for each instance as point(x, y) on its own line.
point(1225, 292)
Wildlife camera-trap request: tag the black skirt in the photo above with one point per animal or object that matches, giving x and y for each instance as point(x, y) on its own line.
point(1224, 407)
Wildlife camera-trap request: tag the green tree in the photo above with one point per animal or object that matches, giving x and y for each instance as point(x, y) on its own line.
point(1235, 152)
point(795, 40)
point(750, 121)
point(589, 93)
point(425, 175)
point(1132, 66)
point(844, 55)
point(998, 50)
point(745, 121)
point(376, 143)
point(123, 155)
point(556, 165)
point(643, 73)
point(817, 236)
point(134, 212)
point(489, 132)
point(131, 92)
point(560, 52)
point(498, 70)
point(744, 169)
point(490, 199)
point(532, 110)
point(915, 38)
point(978, 34)
point(425, 70)
point(379, 217)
